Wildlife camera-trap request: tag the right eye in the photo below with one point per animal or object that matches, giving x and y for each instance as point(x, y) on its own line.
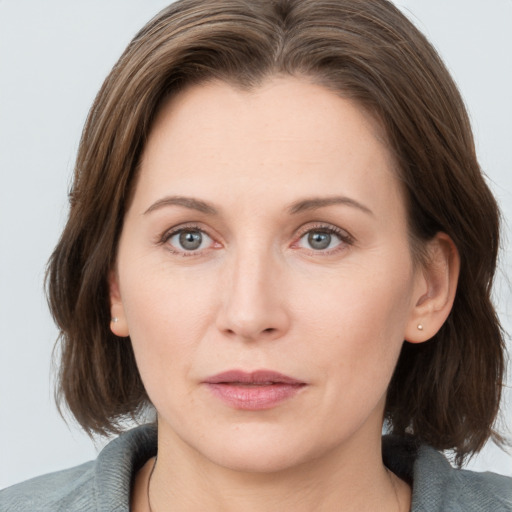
point(188, 240)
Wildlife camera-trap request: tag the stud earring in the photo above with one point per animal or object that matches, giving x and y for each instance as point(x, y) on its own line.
point(420, 327)
point(115, 319)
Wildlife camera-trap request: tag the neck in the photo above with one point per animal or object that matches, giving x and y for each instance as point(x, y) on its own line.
point(350, 479)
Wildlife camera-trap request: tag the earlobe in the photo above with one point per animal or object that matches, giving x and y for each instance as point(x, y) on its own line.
point(435, 290)
point(118, 323)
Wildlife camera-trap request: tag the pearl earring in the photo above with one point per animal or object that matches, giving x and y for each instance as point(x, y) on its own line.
point(420, 327)
point(115, 319)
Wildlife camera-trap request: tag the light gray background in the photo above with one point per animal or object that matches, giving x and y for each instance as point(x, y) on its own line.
point(54, 56)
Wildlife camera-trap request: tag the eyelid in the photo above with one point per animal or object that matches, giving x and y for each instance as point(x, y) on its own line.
point(326, 226)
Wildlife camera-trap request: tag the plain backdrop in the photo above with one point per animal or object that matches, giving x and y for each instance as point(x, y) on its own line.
point(54, 56)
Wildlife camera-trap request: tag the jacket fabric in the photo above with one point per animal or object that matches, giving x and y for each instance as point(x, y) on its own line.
point(104, 485)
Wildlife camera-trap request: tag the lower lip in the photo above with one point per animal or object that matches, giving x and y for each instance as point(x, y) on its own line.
point(254, 398)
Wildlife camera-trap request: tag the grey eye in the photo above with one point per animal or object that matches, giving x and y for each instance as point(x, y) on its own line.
point(190, 240)
point(323, 239)
point(319, 240)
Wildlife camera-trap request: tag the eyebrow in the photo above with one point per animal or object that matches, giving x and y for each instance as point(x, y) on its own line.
point(186, 202)
point(303, 205)
point(315, 203)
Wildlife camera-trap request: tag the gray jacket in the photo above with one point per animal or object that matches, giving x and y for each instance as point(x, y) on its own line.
point(104, 485)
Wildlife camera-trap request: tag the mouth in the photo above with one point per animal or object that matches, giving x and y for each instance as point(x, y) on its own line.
point(258, 390)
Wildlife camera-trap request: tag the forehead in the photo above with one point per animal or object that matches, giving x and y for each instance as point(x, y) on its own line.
point(281, 107)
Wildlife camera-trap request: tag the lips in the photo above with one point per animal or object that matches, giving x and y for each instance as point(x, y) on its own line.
point(258, 390)
point(260, 377)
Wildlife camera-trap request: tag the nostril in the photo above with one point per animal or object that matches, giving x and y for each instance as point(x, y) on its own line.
point(269, 330)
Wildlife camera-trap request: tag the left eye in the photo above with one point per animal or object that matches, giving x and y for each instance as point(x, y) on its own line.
point(320, 239)
point(189, 240)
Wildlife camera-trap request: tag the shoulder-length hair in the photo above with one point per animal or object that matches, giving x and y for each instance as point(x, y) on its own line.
point(445, 392)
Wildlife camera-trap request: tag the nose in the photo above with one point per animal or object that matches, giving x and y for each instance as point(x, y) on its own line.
point(253, 298)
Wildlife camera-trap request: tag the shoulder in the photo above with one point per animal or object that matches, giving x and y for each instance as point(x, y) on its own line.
point(439, 487)
point(457, 489)
point(491, 491)
point(100, 485)
point(64, 490)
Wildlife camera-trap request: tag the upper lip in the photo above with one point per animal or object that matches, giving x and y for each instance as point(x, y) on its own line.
point(254, 377)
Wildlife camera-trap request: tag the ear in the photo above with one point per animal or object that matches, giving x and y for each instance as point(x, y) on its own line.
point(434, 290)
point(118, 323)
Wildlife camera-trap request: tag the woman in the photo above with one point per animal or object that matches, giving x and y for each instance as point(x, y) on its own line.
point(269, 198)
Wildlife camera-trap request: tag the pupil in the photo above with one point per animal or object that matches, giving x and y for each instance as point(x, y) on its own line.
point(319, 240)
point(191, 240)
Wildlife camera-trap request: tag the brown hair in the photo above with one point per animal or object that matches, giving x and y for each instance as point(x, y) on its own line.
point(445, 392)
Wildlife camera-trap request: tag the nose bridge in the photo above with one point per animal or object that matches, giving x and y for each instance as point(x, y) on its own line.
point(253, 304)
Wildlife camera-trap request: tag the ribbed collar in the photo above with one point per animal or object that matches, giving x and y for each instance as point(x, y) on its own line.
point(117, 465)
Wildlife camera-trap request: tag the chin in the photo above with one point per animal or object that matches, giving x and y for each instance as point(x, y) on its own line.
point(247, 459)
point(261, 451)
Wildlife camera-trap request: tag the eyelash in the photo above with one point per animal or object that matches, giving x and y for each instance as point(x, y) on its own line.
point(345, 238)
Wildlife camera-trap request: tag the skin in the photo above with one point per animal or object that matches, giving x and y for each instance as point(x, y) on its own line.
point(258, 295)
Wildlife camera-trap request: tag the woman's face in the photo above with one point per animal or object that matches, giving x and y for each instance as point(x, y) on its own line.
point(264, 274)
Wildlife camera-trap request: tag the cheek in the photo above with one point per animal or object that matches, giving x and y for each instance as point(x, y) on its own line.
point(358, 321)
point(167, 317)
